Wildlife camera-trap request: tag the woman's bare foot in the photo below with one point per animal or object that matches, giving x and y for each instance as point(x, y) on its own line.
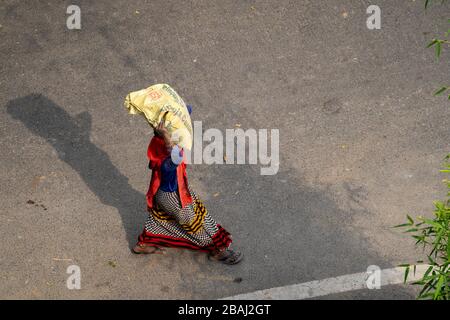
point(227, 256)
point(146, 249)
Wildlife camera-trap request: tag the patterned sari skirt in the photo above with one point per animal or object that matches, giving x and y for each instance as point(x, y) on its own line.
point(190, 227)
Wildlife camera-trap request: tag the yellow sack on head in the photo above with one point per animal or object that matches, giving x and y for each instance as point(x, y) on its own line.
point(154, 102)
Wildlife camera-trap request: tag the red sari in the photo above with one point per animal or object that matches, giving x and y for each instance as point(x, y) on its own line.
point(178, 219)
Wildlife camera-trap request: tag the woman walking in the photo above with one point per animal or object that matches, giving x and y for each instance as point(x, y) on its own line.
point(177, 217)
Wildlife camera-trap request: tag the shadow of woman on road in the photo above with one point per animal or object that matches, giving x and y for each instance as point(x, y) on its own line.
point(70, 138)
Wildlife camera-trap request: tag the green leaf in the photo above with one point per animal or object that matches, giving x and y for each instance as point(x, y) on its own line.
point(439, 286)
point(432, 43)
point(438, 49)
point(432, 262)
point(406, 274)
point(440, 91)
point(424, 290)
point(426, 3)
point(448, 248)
point(432, 223)
point(427, 295)
point(402, 225)
point(411, 221)
point(427, 272)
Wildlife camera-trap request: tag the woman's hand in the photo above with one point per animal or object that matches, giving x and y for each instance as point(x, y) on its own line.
point(162, 131)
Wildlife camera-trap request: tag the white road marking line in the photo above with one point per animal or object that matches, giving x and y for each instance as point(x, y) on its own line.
point(328, 286)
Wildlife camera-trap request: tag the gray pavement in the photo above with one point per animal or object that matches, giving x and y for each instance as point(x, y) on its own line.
point(361, 141)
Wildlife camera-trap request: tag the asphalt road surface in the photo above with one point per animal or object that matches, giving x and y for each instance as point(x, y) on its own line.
point(361, 141)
